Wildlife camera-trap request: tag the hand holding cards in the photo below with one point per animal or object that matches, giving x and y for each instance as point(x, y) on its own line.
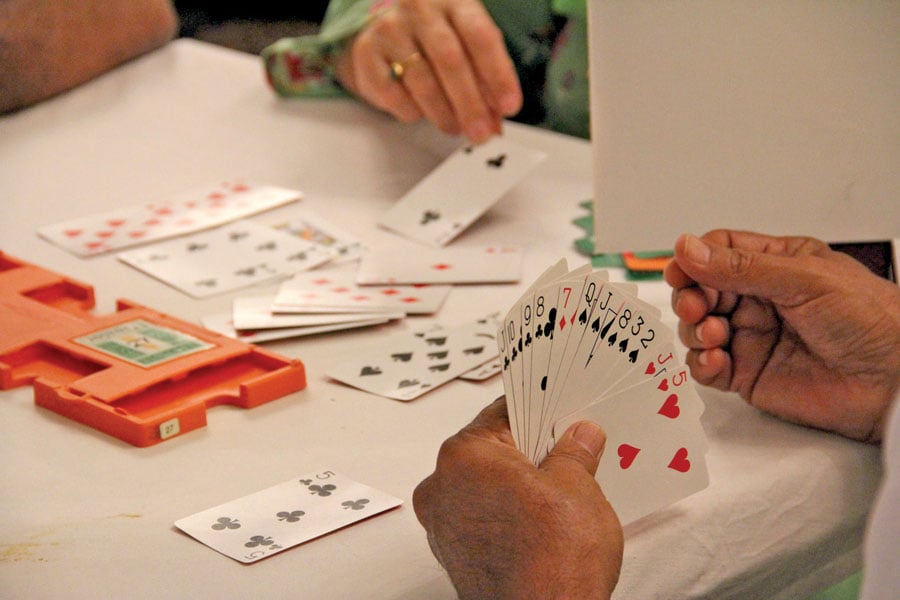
point(578, 347)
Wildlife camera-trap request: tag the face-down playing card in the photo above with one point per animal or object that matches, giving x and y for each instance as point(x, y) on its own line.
point(277, 518)
point(460, 190)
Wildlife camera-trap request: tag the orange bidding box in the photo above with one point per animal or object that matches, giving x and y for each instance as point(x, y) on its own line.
point(136, 374)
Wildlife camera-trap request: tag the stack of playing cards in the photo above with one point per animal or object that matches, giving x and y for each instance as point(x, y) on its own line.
point(264, 523)
point(578, 347)
point(406, 365)
point(321, 301)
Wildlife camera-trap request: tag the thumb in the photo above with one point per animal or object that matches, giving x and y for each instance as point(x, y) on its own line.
point(748, 271)
point(582, 445)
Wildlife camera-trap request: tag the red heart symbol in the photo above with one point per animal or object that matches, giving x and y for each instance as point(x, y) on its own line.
point(627, 455)
point(680, 461)
point(137, 234)
point(441, 266)
point(663, 385)
point(650, 370)
point(94, 245)
point(72, 232)
point(104, 234)
point(115, 222)
point(670, 407)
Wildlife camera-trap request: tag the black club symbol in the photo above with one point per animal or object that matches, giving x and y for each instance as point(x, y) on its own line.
point(259, 540)
point(226, 523)
point(322, 490)
point(290, 517)
point(306, 481)
point(355, 504)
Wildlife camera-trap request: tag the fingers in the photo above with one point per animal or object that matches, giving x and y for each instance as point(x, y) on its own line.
point(581, 446)
point(783, 270)
point(455, 68)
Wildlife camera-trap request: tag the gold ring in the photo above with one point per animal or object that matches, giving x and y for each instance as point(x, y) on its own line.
point(398, 67)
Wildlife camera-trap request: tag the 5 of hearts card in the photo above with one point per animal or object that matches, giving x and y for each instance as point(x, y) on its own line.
point(577, 347)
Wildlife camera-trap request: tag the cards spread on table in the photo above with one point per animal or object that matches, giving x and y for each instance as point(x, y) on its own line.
point(406, 365)
point(398, 264)
point(230, 257)
point(576, 346)
point(277, 518)
point(194, 211)
point(460, 190)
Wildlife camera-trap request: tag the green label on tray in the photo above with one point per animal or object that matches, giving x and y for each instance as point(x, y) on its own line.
point(142, 343)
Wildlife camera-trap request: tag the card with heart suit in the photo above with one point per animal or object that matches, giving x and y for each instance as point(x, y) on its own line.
point(270, 521)
point(577, 346)
point(413, 265)
point(227, 258)
point(460, 190)
point(334, 290)
point(157, 220)
point(407, 365)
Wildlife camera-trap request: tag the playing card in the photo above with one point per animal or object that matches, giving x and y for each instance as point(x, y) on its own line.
point(230, 257)
point(187, 213)
point(397, 265)
point(333, 290)
point(405, 366)
point(222, 323)
point(255, 312)
point(460, 190)
point(511, 345)
point(309, 226)
point(277, 518)
point(654, 454)
point(485, 371)
point(598, 352)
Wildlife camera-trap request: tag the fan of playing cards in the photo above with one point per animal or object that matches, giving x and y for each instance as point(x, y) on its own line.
point(577, 347)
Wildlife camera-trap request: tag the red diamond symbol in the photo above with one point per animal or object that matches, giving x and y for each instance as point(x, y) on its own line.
point(441, 267)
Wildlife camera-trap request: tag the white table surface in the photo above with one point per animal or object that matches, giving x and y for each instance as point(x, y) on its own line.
point(83, 515)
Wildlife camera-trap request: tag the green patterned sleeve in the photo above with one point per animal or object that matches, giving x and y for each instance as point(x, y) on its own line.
point(304, 66)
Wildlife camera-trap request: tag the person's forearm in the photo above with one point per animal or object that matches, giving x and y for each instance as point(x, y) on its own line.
point(48, 47)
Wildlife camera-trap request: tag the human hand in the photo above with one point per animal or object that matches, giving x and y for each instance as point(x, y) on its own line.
point(455, 68)
point(797, 329)
point(503, 528)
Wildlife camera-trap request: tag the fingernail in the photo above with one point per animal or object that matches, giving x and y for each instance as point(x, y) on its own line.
point(481, 130)
point(698, 331)
point(703, 358)
point(509, 104)
point(590, 437)
point(696, 250)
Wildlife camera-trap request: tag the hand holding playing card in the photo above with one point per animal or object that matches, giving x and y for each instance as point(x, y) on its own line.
point(578, 347)
point(504, 528)
point(789, 324)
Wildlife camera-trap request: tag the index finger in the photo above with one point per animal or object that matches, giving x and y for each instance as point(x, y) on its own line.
point(494, 68)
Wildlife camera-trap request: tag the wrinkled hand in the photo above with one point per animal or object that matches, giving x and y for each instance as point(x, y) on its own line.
point(797, 329)
point(503, 528)
point(456, 71)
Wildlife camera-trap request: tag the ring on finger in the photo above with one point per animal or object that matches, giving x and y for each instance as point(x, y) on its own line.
point(399, 67)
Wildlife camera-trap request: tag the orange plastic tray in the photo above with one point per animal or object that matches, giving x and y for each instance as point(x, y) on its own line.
point(136, 374)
